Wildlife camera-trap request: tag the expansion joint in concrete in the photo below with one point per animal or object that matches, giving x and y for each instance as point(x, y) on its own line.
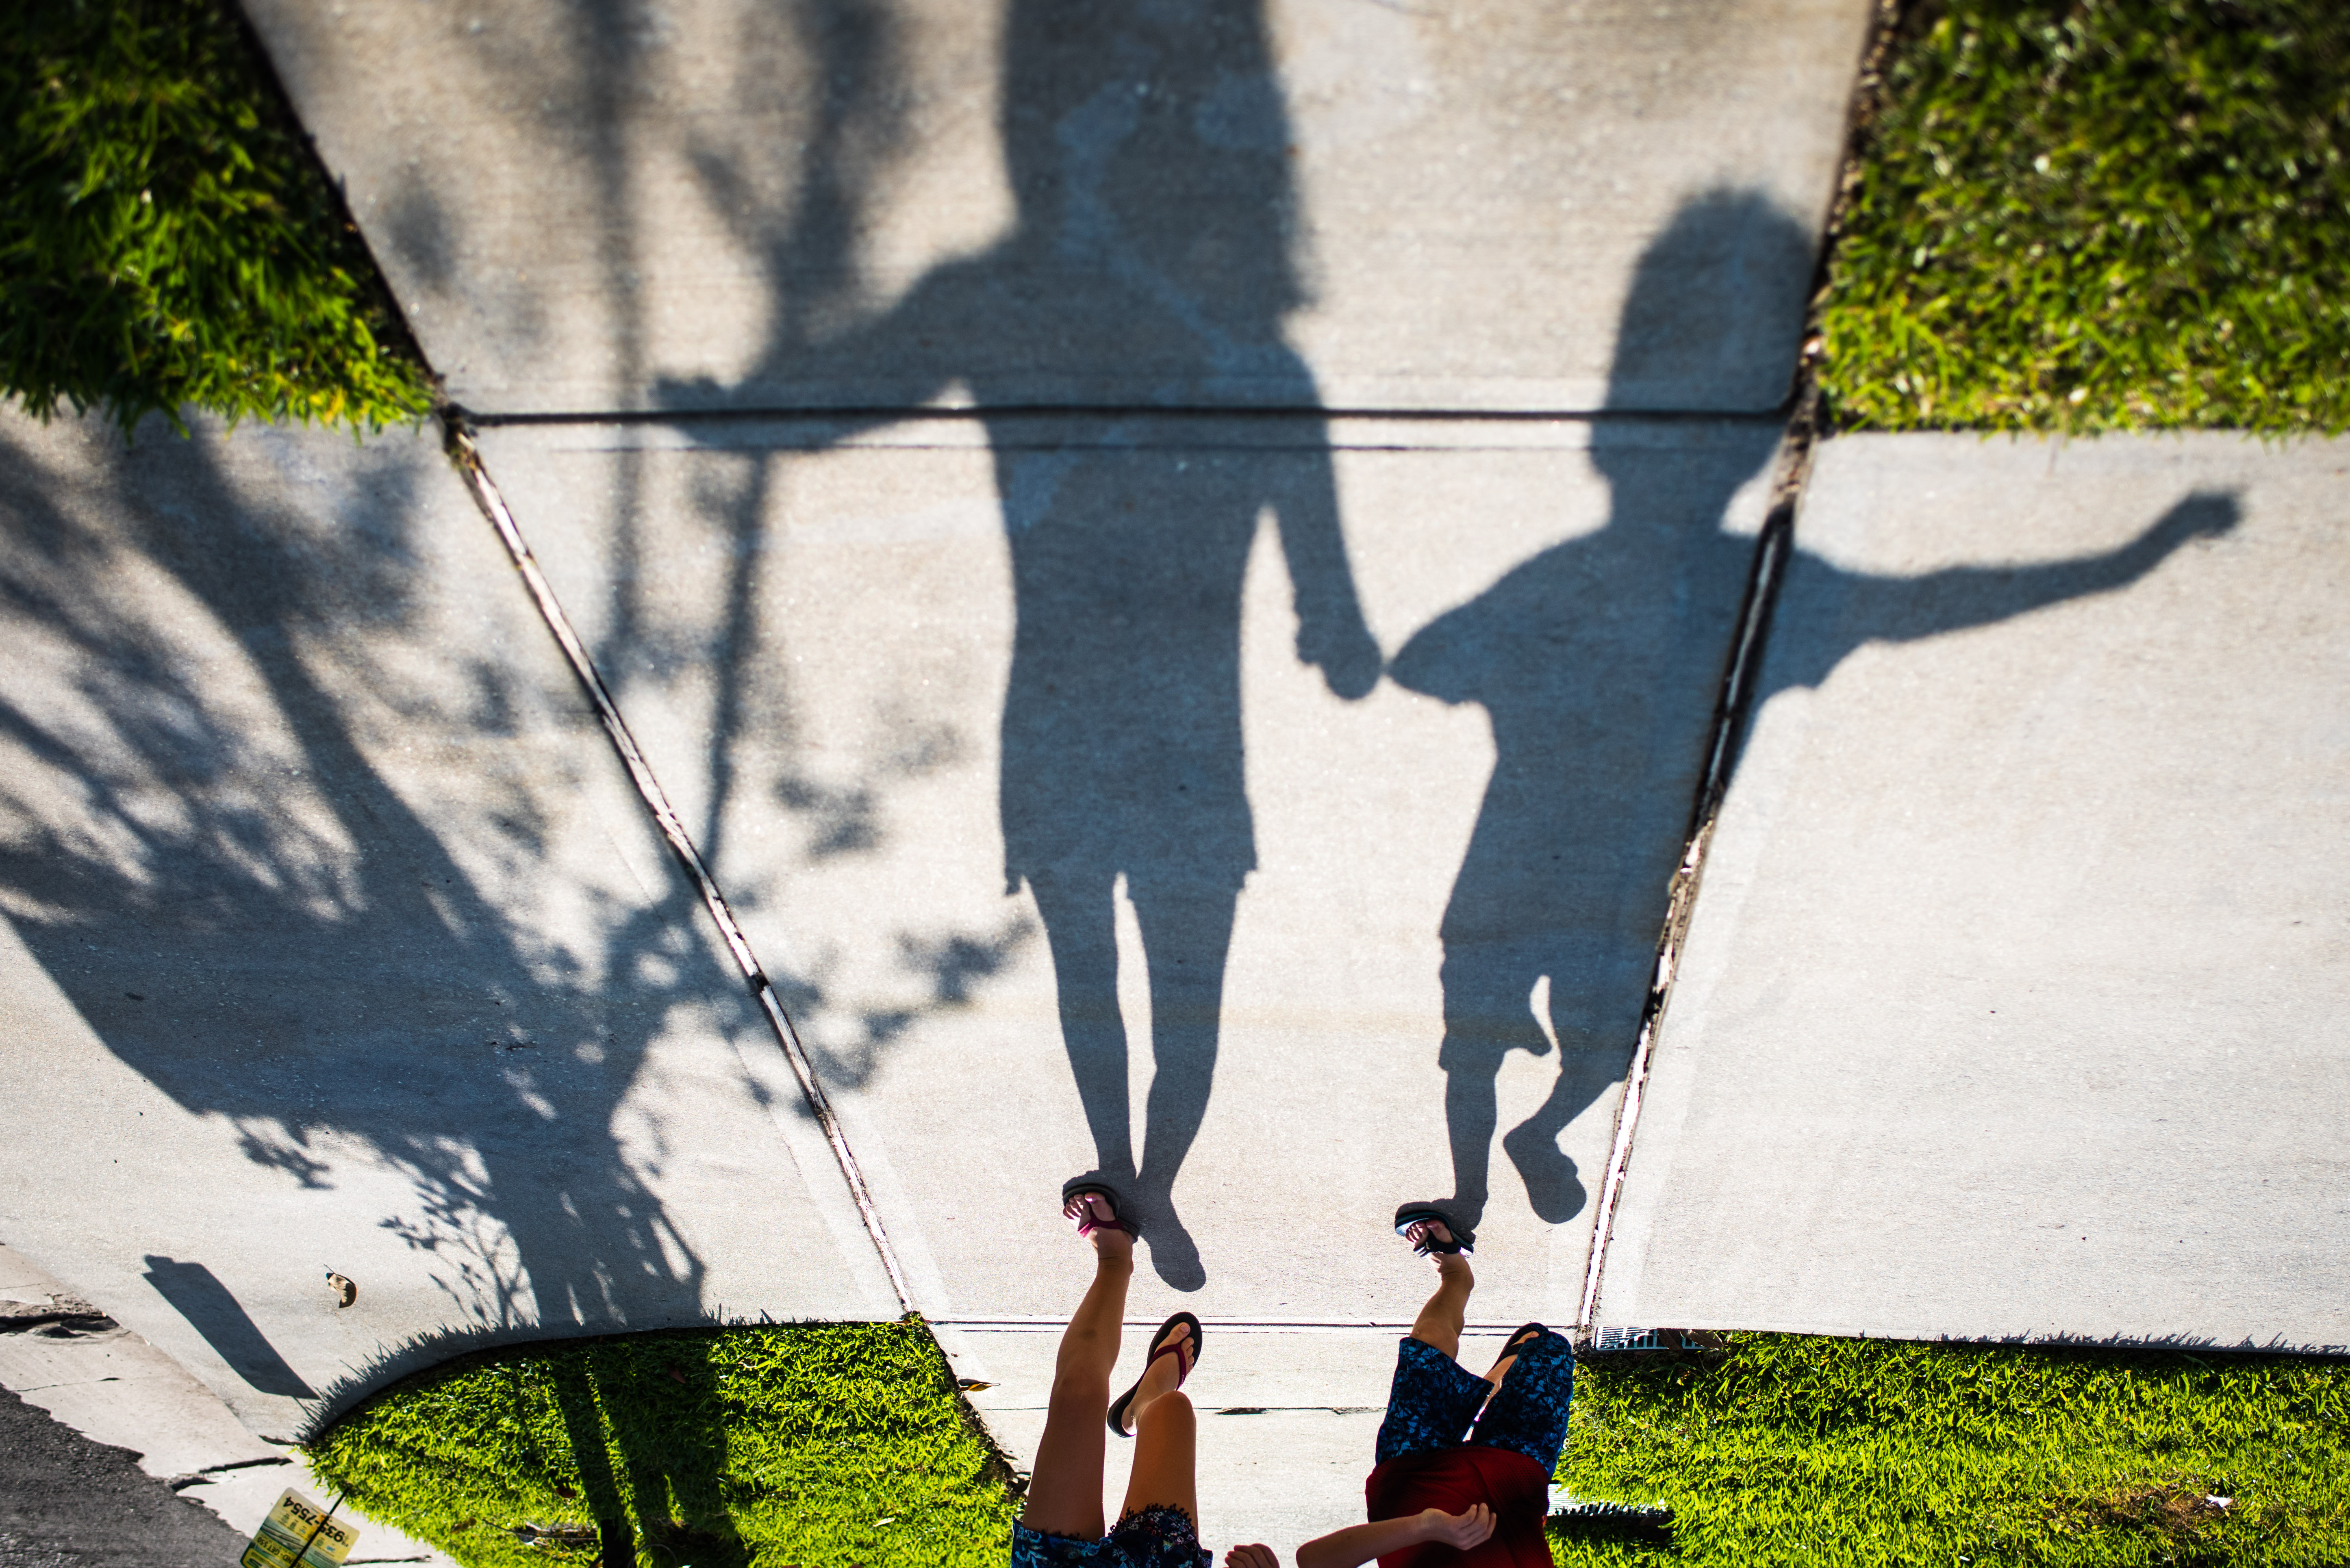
point(1221, 412)
point(465, 453)
point(1730, 715)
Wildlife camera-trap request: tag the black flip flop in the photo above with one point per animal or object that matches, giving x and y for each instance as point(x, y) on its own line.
point(1463, 1238)
point(1158, 1347)
point(1078, 1185)
point(1524, 1334)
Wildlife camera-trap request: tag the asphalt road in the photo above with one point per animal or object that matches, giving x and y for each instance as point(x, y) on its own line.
point(68, 1502)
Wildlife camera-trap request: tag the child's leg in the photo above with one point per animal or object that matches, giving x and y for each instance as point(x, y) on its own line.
point(1528, 1413)
point(1065, 1493)
point(1433, 1398)
point(1440, 1321)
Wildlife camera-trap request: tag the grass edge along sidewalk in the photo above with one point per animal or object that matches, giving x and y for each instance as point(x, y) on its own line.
point(848, 1444)
point(2078, 215)
point(169, 238)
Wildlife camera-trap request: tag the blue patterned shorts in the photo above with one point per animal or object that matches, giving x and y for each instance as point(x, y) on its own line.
point(1151, 1538)
point(1435, 1398)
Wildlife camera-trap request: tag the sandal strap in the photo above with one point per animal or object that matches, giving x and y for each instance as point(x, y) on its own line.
point(1461, 1240)
point(1175, 1347)
point(1088, 1224)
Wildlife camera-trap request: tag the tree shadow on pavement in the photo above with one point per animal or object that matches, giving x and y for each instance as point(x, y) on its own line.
point(204, 851)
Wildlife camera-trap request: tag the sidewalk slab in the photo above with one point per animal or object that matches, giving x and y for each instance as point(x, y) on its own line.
point(2014, 1002)
point(332, 937)
point(813, 631)
point(715, 203)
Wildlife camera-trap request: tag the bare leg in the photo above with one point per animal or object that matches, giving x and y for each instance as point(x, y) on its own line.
point(1440, 1321)
point(1064, 1494)
point(1166, 1443)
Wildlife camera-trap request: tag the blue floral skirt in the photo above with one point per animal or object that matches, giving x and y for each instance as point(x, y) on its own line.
point(1152, 1538)
point(1435, 1398)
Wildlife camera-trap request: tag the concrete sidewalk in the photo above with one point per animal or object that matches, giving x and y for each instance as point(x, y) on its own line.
point(110, 1387)
point(1267, 203)
point(823, 659)
point(335, 939)
point(1117, 758)
point(2014, 1003)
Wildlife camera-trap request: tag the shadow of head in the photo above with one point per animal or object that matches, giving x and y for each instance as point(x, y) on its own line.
point(1159, 134)
point(1715, 309)
point(1710, 323)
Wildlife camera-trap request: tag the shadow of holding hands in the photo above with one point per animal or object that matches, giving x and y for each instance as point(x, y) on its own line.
point(1148, 151)
point(1598, 662)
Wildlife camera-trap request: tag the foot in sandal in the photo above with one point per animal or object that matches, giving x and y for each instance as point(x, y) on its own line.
point(1174, 1351)
point(1094, 1207)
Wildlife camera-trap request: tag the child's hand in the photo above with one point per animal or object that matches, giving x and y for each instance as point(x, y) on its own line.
point(1250, 1557)
point(1344, 647)
point(1459, 1530)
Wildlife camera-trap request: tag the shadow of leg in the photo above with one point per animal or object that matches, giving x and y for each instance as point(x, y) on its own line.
point(1469, 1117)
point(1187, 933)
point(1487, 1015)
point(660, 1394)
point(1553, 1187)
point(1081, 929)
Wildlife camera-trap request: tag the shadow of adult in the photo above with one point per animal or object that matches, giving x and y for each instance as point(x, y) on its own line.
point(1148, 151)
point(1598, 662)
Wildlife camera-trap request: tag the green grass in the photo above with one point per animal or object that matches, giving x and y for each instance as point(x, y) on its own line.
point(167, 237)
point(2099, 215)
point(1824, 1452)
point(829, 1445)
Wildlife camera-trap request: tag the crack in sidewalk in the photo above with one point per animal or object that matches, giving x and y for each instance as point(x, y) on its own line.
point(465, 454)
point(1805, 418)
point(1728, 723)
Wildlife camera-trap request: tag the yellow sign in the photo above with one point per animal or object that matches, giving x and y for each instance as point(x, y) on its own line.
point(299, 1531)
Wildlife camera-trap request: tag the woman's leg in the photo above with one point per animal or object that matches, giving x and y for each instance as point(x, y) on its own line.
point(1166, 1443)
point(1065, 1493)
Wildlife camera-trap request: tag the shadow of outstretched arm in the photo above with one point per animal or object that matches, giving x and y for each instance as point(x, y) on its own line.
point(1862, 609)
